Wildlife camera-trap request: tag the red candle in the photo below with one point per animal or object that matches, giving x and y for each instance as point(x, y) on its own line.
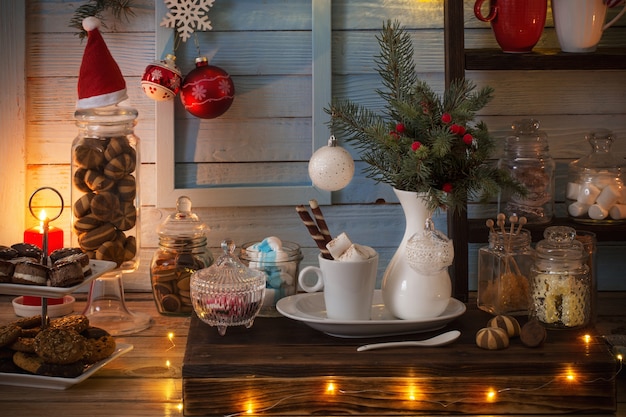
point(34, 235)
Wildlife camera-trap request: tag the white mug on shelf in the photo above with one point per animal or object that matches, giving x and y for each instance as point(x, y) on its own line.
point(580, 23)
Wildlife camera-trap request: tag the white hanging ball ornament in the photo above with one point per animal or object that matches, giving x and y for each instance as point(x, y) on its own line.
point(331, 167)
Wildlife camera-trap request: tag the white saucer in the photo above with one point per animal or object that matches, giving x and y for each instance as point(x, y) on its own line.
point(310, 309)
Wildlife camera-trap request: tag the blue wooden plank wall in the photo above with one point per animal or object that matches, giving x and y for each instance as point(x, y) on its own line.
point(266, 135)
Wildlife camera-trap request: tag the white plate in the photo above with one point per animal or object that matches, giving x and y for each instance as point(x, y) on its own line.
point(309, 308)
point(53, 382)
point(97, 268)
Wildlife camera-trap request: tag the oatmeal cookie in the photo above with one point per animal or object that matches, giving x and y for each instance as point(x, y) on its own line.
point(60, 346)
point(9, 334)
point(36, 365)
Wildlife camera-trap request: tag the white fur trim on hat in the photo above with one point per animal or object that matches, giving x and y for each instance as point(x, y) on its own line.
point(90, 23)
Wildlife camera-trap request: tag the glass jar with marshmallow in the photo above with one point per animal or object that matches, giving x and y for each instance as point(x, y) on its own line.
point(596, 188)
point(280, 261)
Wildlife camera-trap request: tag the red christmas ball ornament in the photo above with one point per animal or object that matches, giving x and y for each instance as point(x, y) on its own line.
point(161, 80)
point(207, 91)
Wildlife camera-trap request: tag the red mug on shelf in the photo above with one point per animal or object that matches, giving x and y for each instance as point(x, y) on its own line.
point(517, 24)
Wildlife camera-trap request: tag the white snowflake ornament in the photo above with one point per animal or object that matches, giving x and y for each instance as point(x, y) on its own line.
point(187, 16)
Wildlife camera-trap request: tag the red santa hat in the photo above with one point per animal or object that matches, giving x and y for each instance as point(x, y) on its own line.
point(100, 81)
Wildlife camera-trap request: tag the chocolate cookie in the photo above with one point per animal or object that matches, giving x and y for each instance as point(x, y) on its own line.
point(7, 252)
point(28, 249)
point(60, 346)
point(34, 364)
point(100, 344)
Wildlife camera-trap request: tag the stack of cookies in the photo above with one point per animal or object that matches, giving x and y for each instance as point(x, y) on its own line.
point(105, 212)
point(63, 349)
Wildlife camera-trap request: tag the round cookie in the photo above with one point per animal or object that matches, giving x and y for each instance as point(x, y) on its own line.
point(28, 322)
point(171, 303)
point(127, 188)
point(97, 181)
point(60, 346)
point(120, 166)
point(92, 239)
point(79, 180)
point(82, 206)
point(117, 146)
point(87, 223)
point(126, 217)
point(130, 248)
point(88, 155)
point(9, 334)
point(24, 344)
point(492, 338)
point(76, 322)
point(100, 344)
point(533, 334)
point(105, 205)
point(110, 251)
point(36, 365)
point(507, 323)
point(59, 254)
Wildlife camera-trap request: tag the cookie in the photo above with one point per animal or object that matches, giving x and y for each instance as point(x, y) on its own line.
point(507, 323)
point(9, 334)
point(92, 239)
point(6, 270)
point(76, 322)
point(34, 364)
point(87, 223)
point(110, 251)
point(24, 344)
point(98, 182)
point(7, 252)
point(28, 322)
point(28, 249)
point(100, 344)
point(130, 248)
point(59, 254)
point(79, 180)
point(66, 274)
point(82, 206)
point(30, 273)
point(120, 166)
point(492, 338)
point(105, 205)
point(88, 155)
point(126, 217)
point(127, 188)
point(117, 146)
point(60, 346)
point(533, 334)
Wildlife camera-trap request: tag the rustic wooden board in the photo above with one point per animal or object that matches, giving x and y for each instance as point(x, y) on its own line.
point(282, 367)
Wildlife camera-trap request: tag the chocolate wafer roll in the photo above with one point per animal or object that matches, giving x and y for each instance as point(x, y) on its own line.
point(313, 230)
point(321, 222)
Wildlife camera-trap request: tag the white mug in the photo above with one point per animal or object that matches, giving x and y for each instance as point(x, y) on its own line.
point(348, 286)
point(579, 23)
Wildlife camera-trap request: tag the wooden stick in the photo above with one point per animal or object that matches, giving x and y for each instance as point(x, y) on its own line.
point(319, 219)
point(313, 230)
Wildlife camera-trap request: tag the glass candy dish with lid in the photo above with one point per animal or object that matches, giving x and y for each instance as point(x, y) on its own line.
point(228, 293)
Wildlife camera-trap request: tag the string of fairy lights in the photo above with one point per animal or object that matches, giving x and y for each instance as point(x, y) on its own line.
point(491, 394)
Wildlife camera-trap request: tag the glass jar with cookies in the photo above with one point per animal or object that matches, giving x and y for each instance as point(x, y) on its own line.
point(182, 251)
point(105, 185)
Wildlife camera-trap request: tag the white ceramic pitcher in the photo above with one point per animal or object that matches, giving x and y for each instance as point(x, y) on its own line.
point(580, 23)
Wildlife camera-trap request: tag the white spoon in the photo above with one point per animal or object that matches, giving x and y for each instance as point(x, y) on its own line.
point(440, 340)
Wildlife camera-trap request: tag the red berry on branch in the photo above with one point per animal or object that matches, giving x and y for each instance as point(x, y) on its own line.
point(447, 188)
point(394, 135)
point(461, 130)
point(446, 118)
point(467, 139)
point(415, 146)
point(400, 128)
point(455, 129)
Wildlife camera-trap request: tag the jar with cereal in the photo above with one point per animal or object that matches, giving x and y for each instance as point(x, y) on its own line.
point(560, 284)
point(182, 251)
point(105, 185)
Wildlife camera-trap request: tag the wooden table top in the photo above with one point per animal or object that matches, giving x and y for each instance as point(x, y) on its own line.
point(147, 381)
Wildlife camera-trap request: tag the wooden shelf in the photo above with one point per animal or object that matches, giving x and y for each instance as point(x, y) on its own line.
point(478, 232)
point(544, 60)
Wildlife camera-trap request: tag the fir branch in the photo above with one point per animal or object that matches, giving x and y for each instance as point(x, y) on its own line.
point(118, 8)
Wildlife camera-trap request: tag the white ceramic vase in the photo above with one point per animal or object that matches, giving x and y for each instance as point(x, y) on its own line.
point(408, 294)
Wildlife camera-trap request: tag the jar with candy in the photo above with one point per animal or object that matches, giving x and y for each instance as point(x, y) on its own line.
point(280, 261)
point(105, 185)
point(560, 284)
point(504, 268)
point(527, 159)
point(182, 251)
point(596, 188)
point(227, 293)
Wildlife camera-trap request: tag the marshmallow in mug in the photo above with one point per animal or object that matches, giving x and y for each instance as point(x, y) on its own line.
point(342, 249)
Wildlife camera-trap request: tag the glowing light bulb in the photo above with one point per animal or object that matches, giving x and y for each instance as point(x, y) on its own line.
point(587, 338)
point(491, 395)
point(167, 363)
point(179, 406)
point(330, 388)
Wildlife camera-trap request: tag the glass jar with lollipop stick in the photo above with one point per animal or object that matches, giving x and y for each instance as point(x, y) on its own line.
point(504, 267)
